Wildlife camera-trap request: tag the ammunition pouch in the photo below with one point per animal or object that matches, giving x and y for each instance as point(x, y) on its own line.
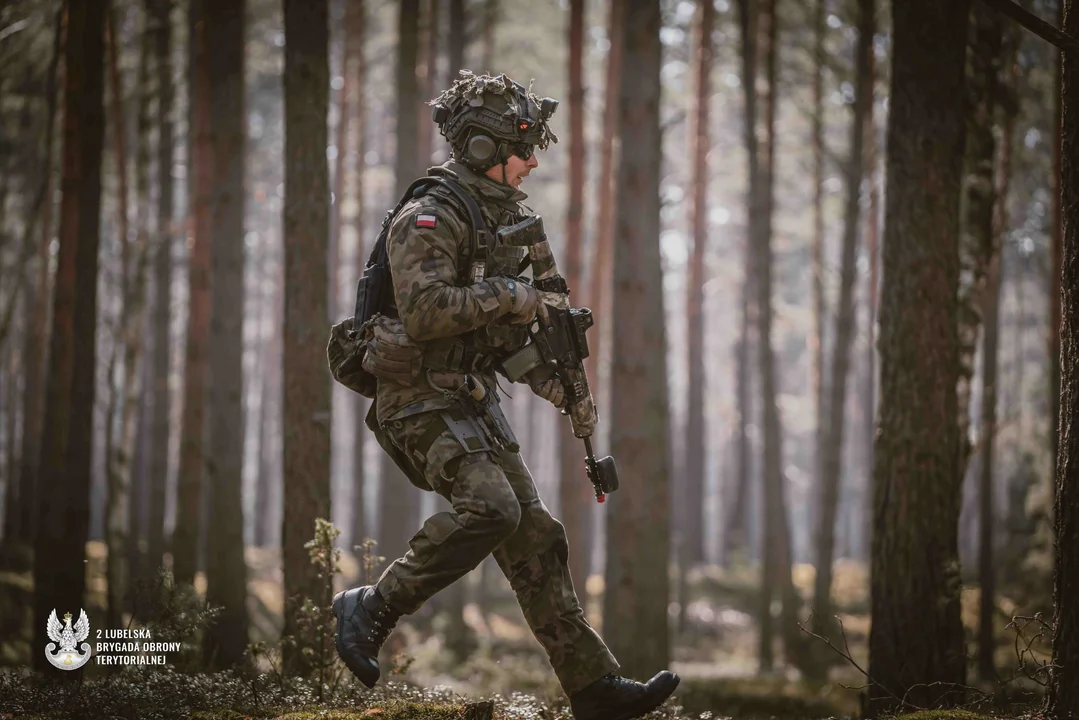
point(345, 355)
point(391, 354)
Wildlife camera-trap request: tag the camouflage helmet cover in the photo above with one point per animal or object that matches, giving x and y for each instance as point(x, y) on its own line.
point(495, 105)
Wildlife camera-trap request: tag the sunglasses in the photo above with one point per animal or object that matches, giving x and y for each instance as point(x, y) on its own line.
point(522, 150)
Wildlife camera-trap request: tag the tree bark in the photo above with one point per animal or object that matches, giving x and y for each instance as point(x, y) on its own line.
point(192, 421)
point(64, 511)
point(490, 20)
point(458, 37)
point(358, 28)
point(575, 492)
point(816, 336)
point(693, 490)
point(639, 534)
point(600, 276)
point(1062, 697)
point(832, 447)
point(344, 99)
point(306, 389)
point(869, 389)
point(399, 499)
point(916, 643)
point(37, 330)
point(1056, 234)
point(975, 250)
point(226, 573)
point(162, 340)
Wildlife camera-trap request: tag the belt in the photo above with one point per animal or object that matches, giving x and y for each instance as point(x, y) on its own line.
point(459, 358)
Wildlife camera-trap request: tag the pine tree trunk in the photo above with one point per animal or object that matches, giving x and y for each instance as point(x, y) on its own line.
point(976, 240)
point(1056, 255)
point(693, 487)
point(226, 573)
point(64, 512)
point(344, 101)
point(776, 564)
point(1062, 697)
point(159, 418)
point(399, 499)
point(916, 640)
point(117, 493)
point(306, 396)
point(869, 388)
point(639, 532)
point(458, 37)
point(185, 537)
point(816, 337)
point(598, 294)
point(490, 20)
point(574, 491)
point(843, 338)
point(358, 28)
point(1003, 87)
point(427, 64)
point(37, 331)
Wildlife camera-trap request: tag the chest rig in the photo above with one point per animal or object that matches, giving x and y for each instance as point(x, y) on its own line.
point(479, 257)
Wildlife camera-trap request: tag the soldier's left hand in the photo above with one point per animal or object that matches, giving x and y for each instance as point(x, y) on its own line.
point(551, 391)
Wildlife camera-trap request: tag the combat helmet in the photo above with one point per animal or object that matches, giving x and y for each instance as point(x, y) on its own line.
point(486, 118)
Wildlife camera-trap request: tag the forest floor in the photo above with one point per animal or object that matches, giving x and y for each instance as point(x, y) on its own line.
point(505, 677)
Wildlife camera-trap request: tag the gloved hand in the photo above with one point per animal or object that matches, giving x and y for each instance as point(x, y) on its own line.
point(526, 302)
point(550, 390)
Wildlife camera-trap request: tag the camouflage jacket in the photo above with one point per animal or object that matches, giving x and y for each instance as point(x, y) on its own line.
point(428, 245)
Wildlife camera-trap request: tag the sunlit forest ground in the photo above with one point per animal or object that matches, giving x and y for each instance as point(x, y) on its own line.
point(715, 653)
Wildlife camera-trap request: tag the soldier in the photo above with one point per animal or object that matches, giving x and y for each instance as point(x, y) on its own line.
point(457, 311)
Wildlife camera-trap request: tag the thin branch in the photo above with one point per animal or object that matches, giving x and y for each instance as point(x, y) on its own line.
point(1033, 23)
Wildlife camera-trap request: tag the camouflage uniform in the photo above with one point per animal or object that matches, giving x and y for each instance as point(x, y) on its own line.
point(496, 508)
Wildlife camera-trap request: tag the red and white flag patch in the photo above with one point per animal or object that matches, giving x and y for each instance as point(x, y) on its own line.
point(426, 221)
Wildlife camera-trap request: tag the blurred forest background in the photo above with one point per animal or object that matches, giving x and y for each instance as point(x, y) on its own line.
point(189, 191)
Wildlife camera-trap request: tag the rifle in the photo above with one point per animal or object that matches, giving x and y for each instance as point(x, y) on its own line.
point(559, 347)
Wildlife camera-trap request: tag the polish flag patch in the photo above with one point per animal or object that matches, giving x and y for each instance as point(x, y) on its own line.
point(425, 221)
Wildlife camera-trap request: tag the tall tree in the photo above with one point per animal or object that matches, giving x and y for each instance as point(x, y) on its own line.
point(976, 240)
point(831, 450)
point(692, 495)
point(37, 330)
point(200, 183)
point(344, 101)
point(357, 27)
point(306, 393)
point(816, 335)
point(1056, 255)
point(226, 573)
point(457, 37)
point(916, 642)
point(869, 379)
point(64, 512)
point(399, 499)
point(574, 492)
point(776, 565)
point(1062, 698)
point(165, 231)
point(639, 533)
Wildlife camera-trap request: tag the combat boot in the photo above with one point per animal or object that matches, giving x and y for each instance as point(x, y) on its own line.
point(616, 698)
point(364, 621)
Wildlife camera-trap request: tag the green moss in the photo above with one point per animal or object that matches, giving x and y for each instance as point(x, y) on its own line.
point(747, 698)
point(944, 715)
point(391, 710)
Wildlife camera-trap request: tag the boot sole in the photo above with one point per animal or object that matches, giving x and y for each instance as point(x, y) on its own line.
point(665, 692)
point(337, 609)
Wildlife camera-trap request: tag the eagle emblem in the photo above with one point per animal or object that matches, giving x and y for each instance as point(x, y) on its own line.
point(67, 637)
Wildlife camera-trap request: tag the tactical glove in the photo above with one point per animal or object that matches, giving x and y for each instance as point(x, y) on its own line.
point(525, 302)
point(551, 391)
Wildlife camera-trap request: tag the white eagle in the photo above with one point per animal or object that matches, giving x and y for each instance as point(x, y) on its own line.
point(68, 657)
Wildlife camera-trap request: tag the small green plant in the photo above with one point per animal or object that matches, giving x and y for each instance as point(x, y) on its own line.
point(369, 561)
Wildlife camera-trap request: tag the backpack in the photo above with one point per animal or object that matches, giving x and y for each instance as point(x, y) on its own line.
point(374, 291)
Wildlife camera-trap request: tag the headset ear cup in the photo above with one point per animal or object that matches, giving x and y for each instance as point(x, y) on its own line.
point(480, 149)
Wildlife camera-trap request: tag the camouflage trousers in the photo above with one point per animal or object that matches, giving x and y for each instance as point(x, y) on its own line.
point(496, 510)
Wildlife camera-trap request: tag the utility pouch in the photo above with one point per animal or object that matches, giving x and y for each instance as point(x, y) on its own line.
point(391, 354)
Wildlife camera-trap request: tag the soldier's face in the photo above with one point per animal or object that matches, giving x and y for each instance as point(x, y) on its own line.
point(516, 170)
